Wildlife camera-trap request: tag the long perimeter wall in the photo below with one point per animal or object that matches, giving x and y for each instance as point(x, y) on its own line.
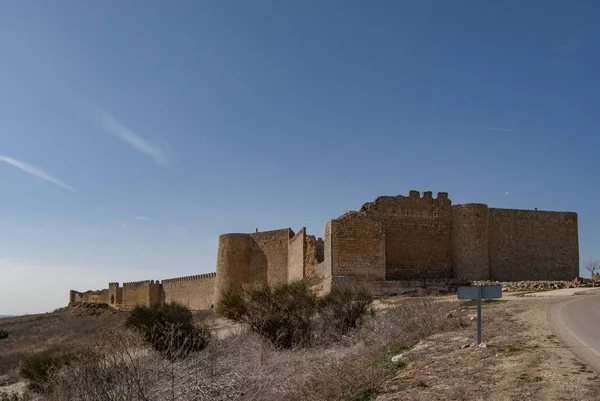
point(389, 242)
point(195, 292)
point(533, 245)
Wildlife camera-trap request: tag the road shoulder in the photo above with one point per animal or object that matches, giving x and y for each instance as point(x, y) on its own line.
point(523, 360)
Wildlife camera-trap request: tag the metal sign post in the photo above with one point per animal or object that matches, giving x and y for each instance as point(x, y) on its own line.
point(479, 292)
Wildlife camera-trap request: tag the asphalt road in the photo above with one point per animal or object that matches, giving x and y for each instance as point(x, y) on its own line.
point(577, 323)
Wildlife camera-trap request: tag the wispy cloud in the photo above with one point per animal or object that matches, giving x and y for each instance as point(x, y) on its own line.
point(136, 141)
point(142, 218)
point(499, 129)
point(35, 171)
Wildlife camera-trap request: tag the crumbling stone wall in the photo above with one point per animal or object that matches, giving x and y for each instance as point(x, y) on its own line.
point(418, 234)
point(99, 296)
point(324, 269)
point(305, 252)
point(313, 255)
point(196, 292)
point(533, 245)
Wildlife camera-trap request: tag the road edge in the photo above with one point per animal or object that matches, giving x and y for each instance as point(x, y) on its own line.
point(569, 340)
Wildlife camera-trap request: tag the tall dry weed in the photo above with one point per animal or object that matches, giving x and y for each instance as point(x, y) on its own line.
point(245, 367)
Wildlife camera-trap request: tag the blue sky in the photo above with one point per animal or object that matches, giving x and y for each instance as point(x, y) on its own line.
point(132, 134)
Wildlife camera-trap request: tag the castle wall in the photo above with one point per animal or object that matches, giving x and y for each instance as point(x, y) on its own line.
point(115, 294)
point(358, 247)
point(313, 255)
point(195, 292)
point(143, 293)
point(100, 296)
point(234, 259)
point(323, 269)
point(296, 256)
point(470, 241)
point(392, 244)
point(270, 254)
point(418, 234)
point(533, 245)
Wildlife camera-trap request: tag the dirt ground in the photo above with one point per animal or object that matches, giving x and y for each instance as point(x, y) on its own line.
point(523, 360)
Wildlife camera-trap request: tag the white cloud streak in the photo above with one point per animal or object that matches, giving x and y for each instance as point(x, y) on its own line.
point(110, 124)
point(35, 171)
point(142, 218)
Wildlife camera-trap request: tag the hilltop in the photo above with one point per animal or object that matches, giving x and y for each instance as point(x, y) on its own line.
point(66, 327)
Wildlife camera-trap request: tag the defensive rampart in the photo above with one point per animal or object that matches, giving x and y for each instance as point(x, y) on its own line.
point(391, 245)
point(533, 245)
point(195, 292)
point(143, 293)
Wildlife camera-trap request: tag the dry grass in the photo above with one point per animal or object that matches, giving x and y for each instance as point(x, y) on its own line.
point(65, 329)
point(120, 366)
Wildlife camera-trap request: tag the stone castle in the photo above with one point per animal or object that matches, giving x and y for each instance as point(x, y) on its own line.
point(391, 245)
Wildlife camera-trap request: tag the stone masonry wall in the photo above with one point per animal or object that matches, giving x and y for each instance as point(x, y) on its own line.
point(115, 294)
point(144, 293)
point(471, 241)
point(533, 245)
point(391, 244)
point(100, 296)
point(196, 292)
point(234, 257)
point(313, 255)
point(323, 269)
point(270, 253)
point(296, 256)
point(358, 247)
point(418, 234)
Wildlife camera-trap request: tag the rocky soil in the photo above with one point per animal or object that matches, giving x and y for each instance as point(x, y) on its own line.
point(518, 286)
point(522, 360)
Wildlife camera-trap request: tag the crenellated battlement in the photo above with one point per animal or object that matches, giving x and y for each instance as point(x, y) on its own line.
point(190, 278)
point(132, 283)
point(417, 236)
point(412, 206)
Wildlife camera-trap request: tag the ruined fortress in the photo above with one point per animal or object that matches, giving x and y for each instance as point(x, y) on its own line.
point(391, 245)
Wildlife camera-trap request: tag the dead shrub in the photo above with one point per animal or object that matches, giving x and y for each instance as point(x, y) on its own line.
point(344, 309)
point(121, 366)
point(38, 368)
point(283, 314)
point(169, 329)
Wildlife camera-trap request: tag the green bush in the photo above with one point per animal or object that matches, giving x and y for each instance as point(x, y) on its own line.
point(3, 334)
point(344, 308)
point(38, 368)
point(284, 314)
point(169, 329)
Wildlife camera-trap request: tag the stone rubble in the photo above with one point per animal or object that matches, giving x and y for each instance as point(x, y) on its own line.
point(517, 286)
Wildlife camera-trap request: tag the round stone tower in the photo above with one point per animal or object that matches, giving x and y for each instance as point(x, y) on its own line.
point(233, 262)
point(470, 241)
